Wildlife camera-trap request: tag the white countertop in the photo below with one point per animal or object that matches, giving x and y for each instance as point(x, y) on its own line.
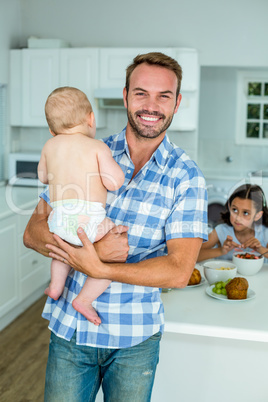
point(192, 311)
point(18, 200)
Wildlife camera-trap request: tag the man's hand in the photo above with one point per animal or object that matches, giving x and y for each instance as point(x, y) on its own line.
point(84, 259)
point(113, 247)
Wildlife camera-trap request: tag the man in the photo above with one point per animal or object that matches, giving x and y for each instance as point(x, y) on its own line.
point(163, 204)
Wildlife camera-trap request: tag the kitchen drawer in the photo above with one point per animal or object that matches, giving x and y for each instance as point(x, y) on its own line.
point(38, 278)
point(30, 262)
point(22, 222)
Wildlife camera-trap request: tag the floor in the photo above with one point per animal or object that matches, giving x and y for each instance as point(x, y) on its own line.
point(23, 350)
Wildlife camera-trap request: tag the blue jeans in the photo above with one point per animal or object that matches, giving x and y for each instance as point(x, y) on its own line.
point(75, 373)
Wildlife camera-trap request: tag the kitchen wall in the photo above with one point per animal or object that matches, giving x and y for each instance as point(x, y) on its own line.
point(10, 34)
point(217, 125)
point(224, 32)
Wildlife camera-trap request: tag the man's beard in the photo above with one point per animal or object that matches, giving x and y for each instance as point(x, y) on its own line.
point(143, 131)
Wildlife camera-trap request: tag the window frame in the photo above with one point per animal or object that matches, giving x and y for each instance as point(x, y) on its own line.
point(243, 99)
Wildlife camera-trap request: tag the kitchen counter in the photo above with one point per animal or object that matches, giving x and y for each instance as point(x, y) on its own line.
point(18, 200)
point(214, 350)
point(192, 311)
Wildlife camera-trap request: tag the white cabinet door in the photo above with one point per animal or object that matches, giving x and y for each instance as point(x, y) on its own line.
point(9, 273)
point(79, 68)
point(40, 75)
point(34, 268)
point(114, 61)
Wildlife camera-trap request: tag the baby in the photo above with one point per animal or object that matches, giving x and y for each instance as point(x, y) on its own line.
point(79, 170)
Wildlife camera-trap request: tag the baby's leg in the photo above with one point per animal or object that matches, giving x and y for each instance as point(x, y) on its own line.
point(59, 273)
point(93, 287)
point(90, 291)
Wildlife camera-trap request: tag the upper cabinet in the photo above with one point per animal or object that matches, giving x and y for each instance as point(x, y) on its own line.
point(99, 72)
point(35, 73)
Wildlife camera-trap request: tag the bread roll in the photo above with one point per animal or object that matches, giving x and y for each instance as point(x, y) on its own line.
point(237, 289)
point(195, 278)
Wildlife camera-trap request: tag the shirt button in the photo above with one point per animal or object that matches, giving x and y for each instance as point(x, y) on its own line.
point(128, 171)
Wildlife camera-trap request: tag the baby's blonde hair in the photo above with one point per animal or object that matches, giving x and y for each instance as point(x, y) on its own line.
point(65, 108)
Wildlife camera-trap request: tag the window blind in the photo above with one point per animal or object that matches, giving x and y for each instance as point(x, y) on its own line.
point(3, 127)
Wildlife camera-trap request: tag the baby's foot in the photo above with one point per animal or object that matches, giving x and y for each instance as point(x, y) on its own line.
point(52, 292)
point(87, 311)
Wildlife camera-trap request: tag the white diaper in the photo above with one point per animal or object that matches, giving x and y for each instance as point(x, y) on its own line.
point(68, 215)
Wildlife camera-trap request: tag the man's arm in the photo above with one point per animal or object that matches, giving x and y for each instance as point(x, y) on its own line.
point(113, 247)
point(36, 234)
point(173, 270)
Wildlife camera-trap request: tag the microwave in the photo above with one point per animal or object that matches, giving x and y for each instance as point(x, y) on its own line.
point(23, 169)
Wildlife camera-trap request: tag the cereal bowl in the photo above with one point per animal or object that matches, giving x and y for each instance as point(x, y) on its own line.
point(219, 271)
point(247, 266)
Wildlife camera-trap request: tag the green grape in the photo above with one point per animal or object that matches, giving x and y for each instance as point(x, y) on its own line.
point(224, 292)
point(218, 291)
point(218, 285)
point(214, 289)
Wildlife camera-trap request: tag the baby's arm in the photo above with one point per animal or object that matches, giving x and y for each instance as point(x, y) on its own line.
point(112, 175)
point(42, 169)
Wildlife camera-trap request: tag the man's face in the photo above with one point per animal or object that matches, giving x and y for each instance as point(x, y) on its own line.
point(151, 100)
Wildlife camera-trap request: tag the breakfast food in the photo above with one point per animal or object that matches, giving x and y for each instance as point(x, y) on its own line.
point(223, 269)
point(237, 289)
point(219, 287)
point(248, 256)
point(195, 278)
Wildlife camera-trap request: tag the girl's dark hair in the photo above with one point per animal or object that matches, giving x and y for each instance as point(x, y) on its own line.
point(248, 192)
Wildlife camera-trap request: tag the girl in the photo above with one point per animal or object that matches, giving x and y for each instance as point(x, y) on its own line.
point(245, 225)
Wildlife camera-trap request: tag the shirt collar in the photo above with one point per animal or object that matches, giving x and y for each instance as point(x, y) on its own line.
point(160, 155)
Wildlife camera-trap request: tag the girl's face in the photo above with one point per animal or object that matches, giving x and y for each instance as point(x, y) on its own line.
point(243, 214)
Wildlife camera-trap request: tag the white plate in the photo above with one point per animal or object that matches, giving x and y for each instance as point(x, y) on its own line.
point(251, 294)
point(199, 284)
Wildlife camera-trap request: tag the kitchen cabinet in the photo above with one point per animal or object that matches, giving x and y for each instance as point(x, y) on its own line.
point(35, 73)
point(114, 61)
point(24, 273)
point(34, 268)
point(9, 293)
point(79, 68)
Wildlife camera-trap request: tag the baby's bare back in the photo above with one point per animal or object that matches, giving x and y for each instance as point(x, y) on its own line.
point(72, 167)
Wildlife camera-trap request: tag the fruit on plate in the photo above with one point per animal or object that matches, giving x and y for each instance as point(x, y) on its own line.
point(219, 287)
point(237, 289)
point(195, 277)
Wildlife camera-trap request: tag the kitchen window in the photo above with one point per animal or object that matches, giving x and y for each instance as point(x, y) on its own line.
point(252, 108)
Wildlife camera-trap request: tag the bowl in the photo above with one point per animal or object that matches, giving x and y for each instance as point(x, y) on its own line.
point(219, 271)
point(247, 266)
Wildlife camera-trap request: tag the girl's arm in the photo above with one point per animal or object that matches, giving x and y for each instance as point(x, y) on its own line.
point(256, 245)
point(207, 250)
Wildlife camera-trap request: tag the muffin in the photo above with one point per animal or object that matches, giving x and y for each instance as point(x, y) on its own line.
point(195, 278)
point(237, 289)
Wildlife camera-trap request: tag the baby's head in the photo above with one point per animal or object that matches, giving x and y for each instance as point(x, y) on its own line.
point(66, 108)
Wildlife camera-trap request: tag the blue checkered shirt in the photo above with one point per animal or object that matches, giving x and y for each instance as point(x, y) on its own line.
point(167, 199)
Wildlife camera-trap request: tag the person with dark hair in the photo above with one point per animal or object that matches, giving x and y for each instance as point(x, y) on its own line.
point(163, 202)
point(245, 224)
